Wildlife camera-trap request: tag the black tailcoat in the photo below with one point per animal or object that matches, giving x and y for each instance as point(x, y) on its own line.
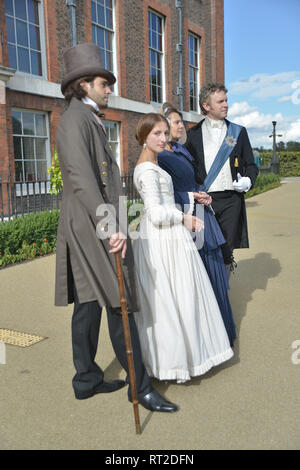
point(246, 167)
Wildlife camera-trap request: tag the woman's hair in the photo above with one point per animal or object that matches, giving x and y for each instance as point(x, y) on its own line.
point(167, 109)
point(146, 124)
point(208, 90)
point(75, 89)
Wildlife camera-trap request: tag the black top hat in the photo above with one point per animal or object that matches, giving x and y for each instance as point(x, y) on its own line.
point(82, 60)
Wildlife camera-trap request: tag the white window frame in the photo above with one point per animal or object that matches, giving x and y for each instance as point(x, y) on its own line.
point(118, 153)
point(197, 110)
point(162, 52)
point(114, 44)
point(33, 188)
point(43, 45)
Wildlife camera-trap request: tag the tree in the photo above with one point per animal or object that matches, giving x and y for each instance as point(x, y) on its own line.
point(293, 146)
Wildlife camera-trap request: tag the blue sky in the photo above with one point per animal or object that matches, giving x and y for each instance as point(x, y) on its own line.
point(262, 67)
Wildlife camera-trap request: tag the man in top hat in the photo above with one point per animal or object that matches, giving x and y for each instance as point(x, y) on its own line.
point(224, 165)
point(86, 242)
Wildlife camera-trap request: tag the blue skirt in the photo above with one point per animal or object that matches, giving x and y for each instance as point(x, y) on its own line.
point(212, 258)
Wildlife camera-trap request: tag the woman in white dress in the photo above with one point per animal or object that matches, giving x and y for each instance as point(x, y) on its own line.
point(181, 330)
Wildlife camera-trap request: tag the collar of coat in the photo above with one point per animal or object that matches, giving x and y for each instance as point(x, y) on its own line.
point(77, 106)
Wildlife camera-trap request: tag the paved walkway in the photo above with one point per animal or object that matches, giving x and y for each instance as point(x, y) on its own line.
point(251, 402)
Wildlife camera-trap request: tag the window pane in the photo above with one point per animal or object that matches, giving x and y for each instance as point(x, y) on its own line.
point(100, 37)
point(18, 148)
point(33, 14)
point(40, 124)
point(22, 33)
point(18, 171)
point(34, 33)
point(16, 122)
point(20, 9)
point(23, 60)
point(12, 56)
point(28, 124)
point(94, 34)
point(190, 57)
point(154, 43)
point(153, 93)
point(103, 55)
point(101, 17)
point(159, 99)
point(113, 133)
point(153, 59)
point(29, 168)
point(36, 63)
point(108, 61)
point(108, 44)
point(41, 168)
point(28, 148)
point(108, 18)
point(40, 149)
point(153, 21)
point(94, 12)
point(9, 7)
point(159, 43)
point(10, 29)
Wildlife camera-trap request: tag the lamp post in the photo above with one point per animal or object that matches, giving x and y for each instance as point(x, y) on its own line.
point(275, 162)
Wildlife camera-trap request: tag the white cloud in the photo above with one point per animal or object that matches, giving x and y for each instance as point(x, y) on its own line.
point(293, 132)
point(239, 109)
point(283, 99)
point(259, 125)
point(265, 86)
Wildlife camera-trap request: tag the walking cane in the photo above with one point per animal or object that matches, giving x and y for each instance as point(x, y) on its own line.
point(128, 343)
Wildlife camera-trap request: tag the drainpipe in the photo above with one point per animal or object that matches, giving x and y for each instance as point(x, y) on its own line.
point(72, 8)
point(179, 49)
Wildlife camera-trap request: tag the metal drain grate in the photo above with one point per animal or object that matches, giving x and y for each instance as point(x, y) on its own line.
point(17, 338)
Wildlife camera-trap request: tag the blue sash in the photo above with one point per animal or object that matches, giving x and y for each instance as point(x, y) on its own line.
point(229, 142)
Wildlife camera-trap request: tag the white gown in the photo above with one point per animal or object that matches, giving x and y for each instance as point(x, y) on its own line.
point(181, 330)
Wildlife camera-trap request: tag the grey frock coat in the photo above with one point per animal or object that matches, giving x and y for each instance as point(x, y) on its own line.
point(91, 178)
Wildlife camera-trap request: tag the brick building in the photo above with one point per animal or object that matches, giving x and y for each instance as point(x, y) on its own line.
point(159, 50)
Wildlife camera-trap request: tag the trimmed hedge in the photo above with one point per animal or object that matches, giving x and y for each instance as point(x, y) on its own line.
point(289, 162)
point(28, 236)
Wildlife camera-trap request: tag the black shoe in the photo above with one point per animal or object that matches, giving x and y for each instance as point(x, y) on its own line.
point(155, 402)
point(105, 387)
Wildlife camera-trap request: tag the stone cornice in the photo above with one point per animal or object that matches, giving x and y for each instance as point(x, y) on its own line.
point(6, 73)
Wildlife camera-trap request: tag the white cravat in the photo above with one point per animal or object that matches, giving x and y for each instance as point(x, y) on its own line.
point(213, 133)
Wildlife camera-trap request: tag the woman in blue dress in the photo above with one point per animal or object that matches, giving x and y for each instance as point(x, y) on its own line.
point(179, 163)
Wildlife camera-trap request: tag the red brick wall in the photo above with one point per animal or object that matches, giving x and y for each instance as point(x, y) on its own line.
point(3, 49)
point(202, 17)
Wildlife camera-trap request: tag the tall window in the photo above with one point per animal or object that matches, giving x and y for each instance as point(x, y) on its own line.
point(112, 132)
point(155, 26)
point(103, 30)
point(24, 36)
point(31, 141)
point(194, 71)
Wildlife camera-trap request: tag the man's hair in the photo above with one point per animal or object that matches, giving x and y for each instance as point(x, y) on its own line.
point(146, 124)
point(75, 90)
point(208, 90)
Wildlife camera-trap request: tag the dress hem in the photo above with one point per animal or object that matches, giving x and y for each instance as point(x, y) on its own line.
point(181, 375)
